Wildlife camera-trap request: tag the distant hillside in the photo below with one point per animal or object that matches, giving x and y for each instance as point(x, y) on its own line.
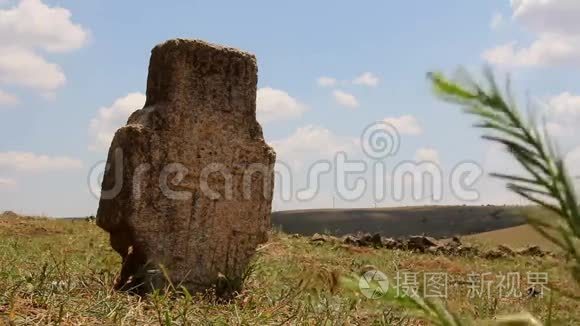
point(435, 221)
point(516, 237)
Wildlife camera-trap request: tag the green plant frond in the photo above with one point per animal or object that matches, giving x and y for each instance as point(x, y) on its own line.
point(482, 111)
point(523, 154)
point(530, 190)
point(540, 178)
point(548, 184)
point(570, 196)
point(555, 240)
point(511, 100)
point(569, 240)
point(538, 201)
point(462, 77)
point(450, 90)
point(490, 78)
point(541, 222)
point(441, 315)
point(492, 125)
point(515, 178)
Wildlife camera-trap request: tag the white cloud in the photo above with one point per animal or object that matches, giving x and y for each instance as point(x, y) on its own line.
point(547, 50)
point(493, 190)
point(25, 68)
point(345, 99)
point(309, 149)
point(273, 104)
point(25, 29)
point(312, 139)
point(548, 16)
point(565, 107)
point(405, 125)
point(557, 42)
point(562, 118)
point(310, 144)
point(366, 79)
point(326, 81)
point(556, 129)
point(427, 154)
point(496, 21)
point(573, 164)
point(102, 128)
point(7, 183)
point(32, 24)
point(7, 99)
point(26, 161)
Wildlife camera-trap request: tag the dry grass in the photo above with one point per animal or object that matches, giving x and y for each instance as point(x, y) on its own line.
point(62, 272)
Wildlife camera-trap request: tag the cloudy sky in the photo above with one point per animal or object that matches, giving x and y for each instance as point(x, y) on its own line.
point(72, 71)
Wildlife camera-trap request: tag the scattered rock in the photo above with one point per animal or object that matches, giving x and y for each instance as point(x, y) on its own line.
point(9, 214)
point(436, 250)
point(466, 250)
point(421, 243)
point(365, 240)
point(456, 240)
point(350, 240)
point(390, 243)
point(320, 238)
point(190, 177)
point(317, 238)
point(376, 240)
point(494, 254)
point(534, 251)
point(454, 244)
point(506, 250)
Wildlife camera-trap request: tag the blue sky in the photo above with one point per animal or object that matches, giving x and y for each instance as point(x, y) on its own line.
point(72, 71)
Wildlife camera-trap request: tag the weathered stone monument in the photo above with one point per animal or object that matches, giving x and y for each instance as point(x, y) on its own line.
point(186, 196)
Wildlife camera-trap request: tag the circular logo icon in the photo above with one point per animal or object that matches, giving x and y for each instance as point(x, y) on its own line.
point(373, 284)
point(380, 140)
point(95, 178)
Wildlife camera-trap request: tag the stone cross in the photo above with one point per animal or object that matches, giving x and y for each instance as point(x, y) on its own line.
point(186, 196)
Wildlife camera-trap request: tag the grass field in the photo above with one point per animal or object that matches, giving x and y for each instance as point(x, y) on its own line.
point(62, 272)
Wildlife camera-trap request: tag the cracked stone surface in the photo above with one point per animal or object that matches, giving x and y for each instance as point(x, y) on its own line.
point(190, 178)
